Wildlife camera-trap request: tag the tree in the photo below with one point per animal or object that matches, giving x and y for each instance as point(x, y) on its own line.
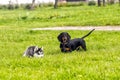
point(55, 5)
point(119, 2)
point(99, 2)
point(10, 6)
point(17, 4)
point(33, 4)
point(103, 2)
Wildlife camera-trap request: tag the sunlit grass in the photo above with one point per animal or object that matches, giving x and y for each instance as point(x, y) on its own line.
point(101, 61)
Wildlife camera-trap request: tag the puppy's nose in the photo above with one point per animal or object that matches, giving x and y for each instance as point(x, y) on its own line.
point(64, 40)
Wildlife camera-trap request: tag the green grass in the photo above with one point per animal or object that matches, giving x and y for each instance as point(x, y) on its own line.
point(100, 62)
point(64, 16)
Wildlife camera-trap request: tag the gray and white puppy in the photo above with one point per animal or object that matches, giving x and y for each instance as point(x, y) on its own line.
point(34, 51)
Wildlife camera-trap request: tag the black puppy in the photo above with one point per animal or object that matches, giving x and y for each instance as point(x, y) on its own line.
point(64, 38)
point(74, 44)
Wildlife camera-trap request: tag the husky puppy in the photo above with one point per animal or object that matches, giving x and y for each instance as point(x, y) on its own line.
point(34, 51)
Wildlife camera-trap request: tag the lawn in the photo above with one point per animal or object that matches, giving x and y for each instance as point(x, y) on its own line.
point(64, 16)
point(100, 62)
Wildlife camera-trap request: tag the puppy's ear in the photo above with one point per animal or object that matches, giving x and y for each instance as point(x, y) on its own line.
point(59, 37)
point(36, 48)
point(68, 36)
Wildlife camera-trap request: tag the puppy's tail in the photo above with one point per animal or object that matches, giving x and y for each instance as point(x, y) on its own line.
point(88, 34)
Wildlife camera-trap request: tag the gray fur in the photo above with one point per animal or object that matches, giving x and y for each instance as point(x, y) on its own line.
point(34, 51)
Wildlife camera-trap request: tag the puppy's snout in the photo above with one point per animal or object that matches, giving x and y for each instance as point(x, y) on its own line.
point(64, 39)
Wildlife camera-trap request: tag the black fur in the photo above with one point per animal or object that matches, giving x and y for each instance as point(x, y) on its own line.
point(74, 44)
point(64, 37)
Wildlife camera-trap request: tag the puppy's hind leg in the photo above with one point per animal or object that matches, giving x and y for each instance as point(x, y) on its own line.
point(84, 46)
point(78, 48)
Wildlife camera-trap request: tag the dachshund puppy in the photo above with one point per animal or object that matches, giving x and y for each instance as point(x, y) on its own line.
point(74, 44)
point(64, 38)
